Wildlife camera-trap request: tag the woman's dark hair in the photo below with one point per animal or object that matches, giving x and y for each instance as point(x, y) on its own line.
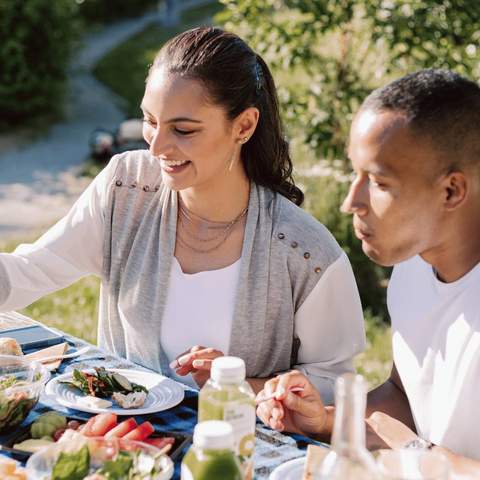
point(236, 78)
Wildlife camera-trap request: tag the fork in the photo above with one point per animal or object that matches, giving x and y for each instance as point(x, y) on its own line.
point(79, 352)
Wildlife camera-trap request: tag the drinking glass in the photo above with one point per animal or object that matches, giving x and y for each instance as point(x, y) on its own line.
point(411, 464)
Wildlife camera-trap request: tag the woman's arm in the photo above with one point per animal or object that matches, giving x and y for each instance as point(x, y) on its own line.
point(69, 250)
point(330, 327)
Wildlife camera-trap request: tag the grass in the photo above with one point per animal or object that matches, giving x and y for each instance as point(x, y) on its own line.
point(75, 309)
point(125, 68)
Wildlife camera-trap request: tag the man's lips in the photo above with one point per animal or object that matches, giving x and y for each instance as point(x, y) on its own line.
point(362, 233)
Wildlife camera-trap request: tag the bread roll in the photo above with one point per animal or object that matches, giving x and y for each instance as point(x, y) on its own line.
point(9, 346)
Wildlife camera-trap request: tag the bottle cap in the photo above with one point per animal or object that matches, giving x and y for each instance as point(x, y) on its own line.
point(213, 435)
point(228, 370)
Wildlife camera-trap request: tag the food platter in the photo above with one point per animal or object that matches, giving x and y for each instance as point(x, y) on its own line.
point(163, 393)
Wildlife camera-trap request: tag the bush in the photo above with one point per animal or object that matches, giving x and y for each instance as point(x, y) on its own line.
point(104, 11)
point(323, 196)
point(36, 38)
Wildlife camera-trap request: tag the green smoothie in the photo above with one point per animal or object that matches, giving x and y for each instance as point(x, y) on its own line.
point(211, 456)
point(228, 396)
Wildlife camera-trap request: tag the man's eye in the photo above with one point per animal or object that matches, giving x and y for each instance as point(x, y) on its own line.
point(184, 132)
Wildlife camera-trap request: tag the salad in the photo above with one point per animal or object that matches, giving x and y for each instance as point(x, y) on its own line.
point(75, 457)
point(105, 384)
point(15, 403)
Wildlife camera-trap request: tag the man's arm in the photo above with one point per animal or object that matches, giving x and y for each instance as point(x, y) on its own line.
point(390, 398)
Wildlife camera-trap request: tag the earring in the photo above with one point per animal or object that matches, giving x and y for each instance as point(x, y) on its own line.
point(244, 140)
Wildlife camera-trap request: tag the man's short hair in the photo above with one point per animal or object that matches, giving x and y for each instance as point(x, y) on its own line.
point(440, 105)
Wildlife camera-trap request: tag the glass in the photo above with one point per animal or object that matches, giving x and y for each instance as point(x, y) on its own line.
point(40, 464)
point(411, 464)
point(349, 458)
point(21, 383)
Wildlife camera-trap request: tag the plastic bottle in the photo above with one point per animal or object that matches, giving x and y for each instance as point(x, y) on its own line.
point(228, 396)
point(349, 458)
point(212, 456)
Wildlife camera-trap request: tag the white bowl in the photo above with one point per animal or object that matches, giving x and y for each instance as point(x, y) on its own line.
point(39, 465)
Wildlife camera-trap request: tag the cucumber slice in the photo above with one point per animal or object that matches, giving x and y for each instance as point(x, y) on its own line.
point(122, 382)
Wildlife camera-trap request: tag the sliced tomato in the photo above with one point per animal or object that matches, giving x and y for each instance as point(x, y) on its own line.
point(122, 428)
point(160, 442)
point(143, 431)
point(99, 425)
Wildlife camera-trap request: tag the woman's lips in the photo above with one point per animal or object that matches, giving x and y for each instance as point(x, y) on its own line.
point(175, 168)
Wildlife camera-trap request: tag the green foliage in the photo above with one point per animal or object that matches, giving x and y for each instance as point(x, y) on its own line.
point(323, 195)
point(339, 51)
point(127, 79)
point(36, 39)
point(104, 11)
point(375, 363)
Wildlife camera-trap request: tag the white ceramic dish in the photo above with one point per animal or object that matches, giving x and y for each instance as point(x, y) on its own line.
point(39, 466)
point(291, 470)
point(163, 393)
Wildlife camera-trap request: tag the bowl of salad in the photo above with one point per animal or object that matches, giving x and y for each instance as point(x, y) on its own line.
point(21, 383)
point(76, 457)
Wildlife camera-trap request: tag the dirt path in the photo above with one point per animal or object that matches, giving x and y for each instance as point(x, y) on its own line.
point(38, 181)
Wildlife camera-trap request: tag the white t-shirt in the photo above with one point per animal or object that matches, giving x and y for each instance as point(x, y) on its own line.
point(199, 311)
point(436, 349)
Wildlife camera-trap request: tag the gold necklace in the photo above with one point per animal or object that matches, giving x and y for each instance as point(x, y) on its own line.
point(186, 216)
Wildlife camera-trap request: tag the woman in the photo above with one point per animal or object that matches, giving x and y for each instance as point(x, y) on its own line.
point(199, 241)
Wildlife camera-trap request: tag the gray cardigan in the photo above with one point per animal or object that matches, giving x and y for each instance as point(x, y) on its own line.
point(123, 228)
point(274, 281)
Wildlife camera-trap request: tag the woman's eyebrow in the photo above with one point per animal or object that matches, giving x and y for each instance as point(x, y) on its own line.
point(183, 119)
point(172, 120)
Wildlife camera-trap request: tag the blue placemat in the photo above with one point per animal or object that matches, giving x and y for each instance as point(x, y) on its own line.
point(272, 448)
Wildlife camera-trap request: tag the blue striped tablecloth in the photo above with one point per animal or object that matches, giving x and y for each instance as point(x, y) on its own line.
point(272, 448)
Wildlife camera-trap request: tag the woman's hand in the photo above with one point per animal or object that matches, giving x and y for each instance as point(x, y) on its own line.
point(197, 361)
point(301, 412)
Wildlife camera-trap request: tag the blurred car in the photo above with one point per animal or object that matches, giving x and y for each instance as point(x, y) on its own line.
point(128, 136)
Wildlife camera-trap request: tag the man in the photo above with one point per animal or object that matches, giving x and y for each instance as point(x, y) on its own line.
point(415, 149)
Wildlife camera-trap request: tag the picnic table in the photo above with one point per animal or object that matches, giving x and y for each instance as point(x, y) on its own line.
point(272, 448)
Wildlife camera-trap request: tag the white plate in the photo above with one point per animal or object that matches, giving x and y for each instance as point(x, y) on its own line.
point(163, 393)
point(291, 470)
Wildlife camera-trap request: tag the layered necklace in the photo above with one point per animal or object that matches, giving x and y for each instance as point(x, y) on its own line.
point(216, 233)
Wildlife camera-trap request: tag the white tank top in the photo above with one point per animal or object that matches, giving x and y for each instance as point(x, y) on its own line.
point(199, 310)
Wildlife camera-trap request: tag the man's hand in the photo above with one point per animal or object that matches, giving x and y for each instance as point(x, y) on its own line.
point(197, 361)
point(301, 412)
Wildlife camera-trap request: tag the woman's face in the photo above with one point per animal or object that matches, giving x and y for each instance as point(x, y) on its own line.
point(193, 139)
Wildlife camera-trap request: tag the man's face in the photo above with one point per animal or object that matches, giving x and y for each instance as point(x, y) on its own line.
point(396, 197)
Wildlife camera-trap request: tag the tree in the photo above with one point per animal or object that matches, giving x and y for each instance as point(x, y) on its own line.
point(36, 38)
point(329, 55)
point(326, 57)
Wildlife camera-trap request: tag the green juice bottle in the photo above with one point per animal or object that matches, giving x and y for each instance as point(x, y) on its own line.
point(211, 457)
point(228, 396)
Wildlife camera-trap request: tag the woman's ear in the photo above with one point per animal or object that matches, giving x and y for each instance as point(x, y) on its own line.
point(455, 187)
point(246, 123)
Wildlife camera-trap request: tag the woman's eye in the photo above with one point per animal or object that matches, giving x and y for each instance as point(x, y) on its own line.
point(184, 132)
point(149, 121)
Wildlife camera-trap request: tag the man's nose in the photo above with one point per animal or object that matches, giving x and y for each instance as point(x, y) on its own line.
point(355, 201)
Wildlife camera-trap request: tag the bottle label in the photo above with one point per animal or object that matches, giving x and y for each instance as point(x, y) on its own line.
point(241, 417)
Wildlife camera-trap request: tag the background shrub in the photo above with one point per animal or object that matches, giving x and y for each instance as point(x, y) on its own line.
point(104, 11)
point(36, 39)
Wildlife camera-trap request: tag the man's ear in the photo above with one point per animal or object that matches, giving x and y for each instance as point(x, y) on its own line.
point(455, 187)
